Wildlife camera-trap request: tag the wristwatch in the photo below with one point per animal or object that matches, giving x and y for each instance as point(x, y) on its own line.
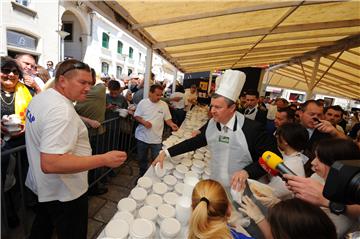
point(337, 208)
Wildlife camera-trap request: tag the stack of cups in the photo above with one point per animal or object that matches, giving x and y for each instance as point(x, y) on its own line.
point(146, 183)
point(124, 215)
point(170, 228)
point(183, 210)
point(198, 166)
point(138, 194)
point(142, 229)
point(160, 188)
point(165, 211)
point(149, 213)
point(154, 200)
point(127, 204)
point(117, 228)
point(170, 181)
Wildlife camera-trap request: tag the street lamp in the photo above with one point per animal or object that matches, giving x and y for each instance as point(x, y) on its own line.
point(62, 35)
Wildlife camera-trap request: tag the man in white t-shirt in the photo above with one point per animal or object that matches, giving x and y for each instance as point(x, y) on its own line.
point(59, 155)
point(151, 114)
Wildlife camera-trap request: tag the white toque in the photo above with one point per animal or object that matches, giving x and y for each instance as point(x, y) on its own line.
point(231, 84)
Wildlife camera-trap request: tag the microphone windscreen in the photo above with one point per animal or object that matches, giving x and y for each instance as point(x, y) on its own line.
point(267, 168)
point(272, 160)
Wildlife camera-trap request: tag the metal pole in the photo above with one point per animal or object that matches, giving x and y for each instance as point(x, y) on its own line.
point(148, 65)
point(174, 81)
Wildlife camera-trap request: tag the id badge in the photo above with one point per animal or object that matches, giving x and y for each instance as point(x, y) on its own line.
point(224, 139)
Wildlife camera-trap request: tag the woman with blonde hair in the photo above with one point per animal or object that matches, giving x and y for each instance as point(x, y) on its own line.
point(211, 209)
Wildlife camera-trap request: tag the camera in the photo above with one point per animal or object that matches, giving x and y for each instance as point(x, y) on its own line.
point(343, 182)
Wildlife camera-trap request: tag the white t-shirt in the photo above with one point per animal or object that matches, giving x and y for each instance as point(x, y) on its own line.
point(295, 162)
point(54, 127)
point(178, 104)
point(155, 113)
point(189, 96)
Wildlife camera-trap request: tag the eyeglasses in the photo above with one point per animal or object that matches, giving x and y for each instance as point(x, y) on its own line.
point(77, 66)
point(8, 71)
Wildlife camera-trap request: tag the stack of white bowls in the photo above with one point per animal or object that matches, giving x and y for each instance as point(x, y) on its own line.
point(142, 229)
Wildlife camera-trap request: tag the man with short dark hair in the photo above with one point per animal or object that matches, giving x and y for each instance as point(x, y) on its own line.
point(59, 154)
point(151, 114)
point(28, 65)
point(334, 114)
point(252, 110)
point(311, 114)
point(283, 116)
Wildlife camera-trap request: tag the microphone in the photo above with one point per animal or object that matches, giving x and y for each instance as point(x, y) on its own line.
point(267, 168)
point(276, 163)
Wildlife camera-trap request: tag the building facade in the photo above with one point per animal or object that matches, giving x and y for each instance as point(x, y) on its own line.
point(56, 30)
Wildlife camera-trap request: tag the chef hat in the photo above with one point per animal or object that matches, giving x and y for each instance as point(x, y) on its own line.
point(231, 84)
point(217, 82)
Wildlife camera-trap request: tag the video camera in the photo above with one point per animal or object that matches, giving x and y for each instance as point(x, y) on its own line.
point(343, 182)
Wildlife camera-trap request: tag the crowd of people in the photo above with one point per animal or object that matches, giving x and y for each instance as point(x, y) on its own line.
point(61, 110)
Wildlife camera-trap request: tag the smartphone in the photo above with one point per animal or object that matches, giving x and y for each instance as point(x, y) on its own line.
point(316, 120)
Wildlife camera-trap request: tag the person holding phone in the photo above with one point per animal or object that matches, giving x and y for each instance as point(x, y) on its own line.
point(311, 117)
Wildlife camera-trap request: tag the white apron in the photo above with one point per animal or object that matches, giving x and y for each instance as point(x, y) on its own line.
point(229, 150)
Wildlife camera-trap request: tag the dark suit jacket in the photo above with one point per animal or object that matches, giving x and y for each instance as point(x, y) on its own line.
point(257, 138)
point(261, 116)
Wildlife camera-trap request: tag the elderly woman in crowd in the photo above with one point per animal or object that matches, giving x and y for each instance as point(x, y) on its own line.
point(15, 97)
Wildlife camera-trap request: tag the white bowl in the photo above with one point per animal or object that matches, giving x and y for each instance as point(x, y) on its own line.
point(187, 162)
point(165, 211)
point(117, 228)
point(124, 215)
point(179, 188)
point(199, 164)
point(182, 169)
point(178, 175)
point(145, 182)
point(139, 194)
point(170, 181)
point(153, 200)
point(127, 204)
point(197, 170)
point(198, 156)
point(170, 227)
point(171, 198)
point(168, 166)
point(160, 188)
point(148, 212)
point(123, 112)
point(183, 210)
point(192, 174)
point(159, 172)
point(142, 228)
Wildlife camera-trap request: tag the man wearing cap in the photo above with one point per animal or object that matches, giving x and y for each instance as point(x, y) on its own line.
point(235, 142)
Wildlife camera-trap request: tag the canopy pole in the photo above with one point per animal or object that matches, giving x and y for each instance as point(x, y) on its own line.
point(174, 81)
point(309, 92)
point(210, 82)
point(148, 65)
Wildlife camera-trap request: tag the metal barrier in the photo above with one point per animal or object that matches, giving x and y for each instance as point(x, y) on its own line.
point(115, 134)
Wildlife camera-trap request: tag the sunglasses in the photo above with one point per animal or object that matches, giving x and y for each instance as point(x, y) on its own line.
point(8, 71)
point(77, 66)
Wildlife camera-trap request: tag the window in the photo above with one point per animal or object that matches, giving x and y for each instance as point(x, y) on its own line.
point(131, 52)
point(119, 47)
point(129, 72)
point(118, 72)
point(139, 57)
point(23, 2)
point(104, 67)
point(105, 40)
point(68, 27)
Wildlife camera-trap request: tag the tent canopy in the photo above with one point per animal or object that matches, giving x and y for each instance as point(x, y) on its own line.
point(316, 43)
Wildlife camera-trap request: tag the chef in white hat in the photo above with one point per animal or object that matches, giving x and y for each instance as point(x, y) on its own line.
point(235, 142)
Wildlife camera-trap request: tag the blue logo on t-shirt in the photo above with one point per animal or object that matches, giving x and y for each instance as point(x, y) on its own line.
point(29, 116)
